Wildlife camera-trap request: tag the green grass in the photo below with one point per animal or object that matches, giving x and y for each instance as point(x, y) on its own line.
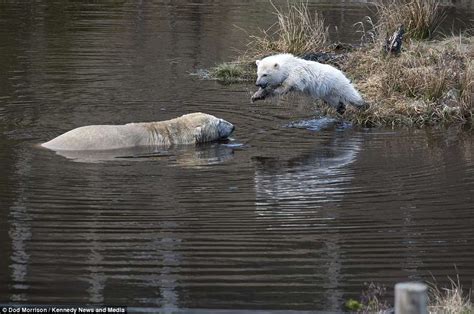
point(232, 72)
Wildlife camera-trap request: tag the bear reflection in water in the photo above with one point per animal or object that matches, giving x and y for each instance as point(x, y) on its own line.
point(299, 202)
point(305, 182)
point(186, 156)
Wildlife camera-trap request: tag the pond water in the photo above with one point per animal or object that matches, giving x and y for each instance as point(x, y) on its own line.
point(295, 212)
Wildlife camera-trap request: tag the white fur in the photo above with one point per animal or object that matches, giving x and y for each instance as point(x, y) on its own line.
point(284, 73)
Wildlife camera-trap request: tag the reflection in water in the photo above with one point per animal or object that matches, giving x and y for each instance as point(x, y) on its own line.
point(308, 188)
point(293, 220)
point(413, 261)
point(20, 232)
point(314, 179)
point(97, 278)
point(73, 238)
point(187, 156)
point(167, 280)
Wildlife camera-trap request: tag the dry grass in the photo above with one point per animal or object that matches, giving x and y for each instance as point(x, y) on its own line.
point(449, 300)
point(421, 18)
point(430, 83)
point(467, 87)
point(297, 31)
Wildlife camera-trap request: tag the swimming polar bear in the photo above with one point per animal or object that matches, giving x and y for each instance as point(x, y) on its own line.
point(283, 73)
point(191, 128)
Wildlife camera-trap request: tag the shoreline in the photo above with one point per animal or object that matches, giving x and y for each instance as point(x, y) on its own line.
point(414, 78)
point(430, 83)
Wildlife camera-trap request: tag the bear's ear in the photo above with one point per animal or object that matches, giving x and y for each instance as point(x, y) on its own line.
point(257, 62)
point(276, 65)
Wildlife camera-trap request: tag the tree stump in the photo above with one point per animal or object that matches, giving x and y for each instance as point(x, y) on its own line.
point(393, 44)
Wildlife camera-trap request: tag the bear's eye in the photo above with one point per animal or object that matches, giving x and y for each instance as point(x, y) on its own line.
point(263, 75)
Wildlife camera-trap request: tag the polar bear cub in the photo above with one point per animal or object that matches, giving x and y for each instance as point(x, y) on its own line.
point(283, 73)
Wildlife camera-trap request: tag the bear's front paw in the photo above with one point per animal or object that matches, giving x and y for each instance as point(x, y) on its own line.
point(255, 97)
point(260, 94)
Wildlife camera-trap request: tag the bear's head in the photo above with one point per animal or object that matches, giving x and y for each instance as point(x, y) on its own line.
point(269, 72)
point(224, 128)
point(208, 128)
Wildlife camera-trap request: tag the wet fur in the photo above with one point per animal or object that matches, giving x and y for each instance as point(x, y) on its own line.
point(284, 73)
point(188, 129)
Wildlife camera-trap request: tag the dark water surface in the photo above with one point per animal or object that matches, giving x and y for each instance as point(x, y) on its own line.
point(289, 214)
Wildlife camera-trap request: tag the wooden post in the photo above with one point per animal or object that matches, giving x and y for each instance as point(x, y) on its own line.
point(411, 298)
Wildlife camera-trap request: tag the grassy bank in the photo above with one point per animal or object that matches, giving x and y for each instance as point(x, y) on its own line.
point(452, 299)
point(297, 30)
point(431, 82)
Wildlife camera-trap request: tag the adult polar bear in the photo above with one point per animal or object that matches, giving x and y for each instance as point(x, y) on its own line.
point(191, 128)
point(283, 73)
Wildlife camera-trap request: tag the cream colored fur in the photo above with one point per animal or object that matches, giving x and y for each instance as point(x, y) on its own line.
point(188, 129)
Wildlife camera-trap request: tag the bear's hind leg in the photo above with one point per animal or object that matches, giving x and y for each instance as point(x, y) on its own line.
point(361, 105)
point(341, 108)
point(336, 102)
